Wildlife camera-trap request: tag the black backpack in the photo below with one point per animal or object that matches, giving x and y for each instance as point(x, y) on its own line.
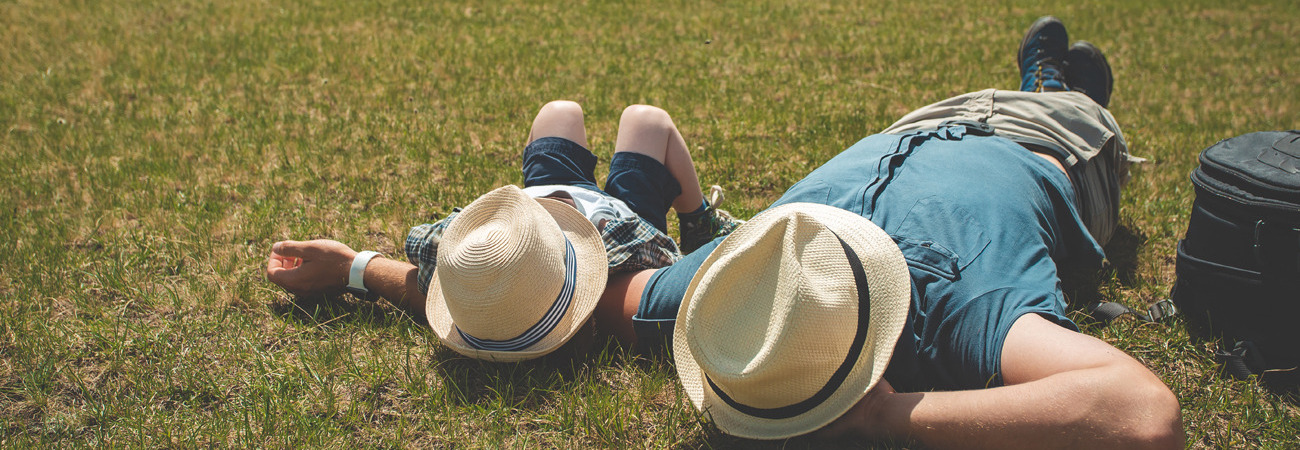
point(1238, 267)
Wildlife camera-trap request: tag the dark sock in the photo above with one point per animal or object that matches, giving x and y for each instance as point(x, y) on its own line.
point(704, 206)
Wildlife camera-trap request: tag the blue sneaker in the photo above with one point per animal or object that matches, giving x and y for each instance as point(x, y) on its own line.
point(1042, 56)
point(1086, 71)
point(700, 228)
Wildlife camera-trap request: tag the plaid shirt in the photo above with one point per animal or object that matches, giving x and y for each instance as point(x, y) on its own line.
point(631, 244)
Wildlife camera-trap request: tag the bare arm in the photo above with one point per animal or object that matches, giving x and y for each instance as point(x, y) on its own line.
point(619, 303)
point(1063, 390)
point(398, 282)
point(321, 267)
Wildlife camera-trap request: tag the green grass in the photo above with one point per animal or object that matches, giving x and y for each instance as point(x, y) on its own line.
point(153, 150)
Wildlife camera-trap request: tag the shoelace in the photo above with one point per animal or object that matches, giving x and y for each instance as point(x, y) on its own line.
point(1051, 72)
point(1039, 73)
point(720, 215)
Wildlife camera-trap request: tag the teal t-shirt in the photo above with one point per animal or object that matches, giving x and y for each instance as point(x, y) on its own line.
point(983, 224)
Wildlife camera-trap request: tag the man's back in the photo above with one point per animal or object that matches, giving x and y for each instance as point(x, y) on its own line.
point(982, 222)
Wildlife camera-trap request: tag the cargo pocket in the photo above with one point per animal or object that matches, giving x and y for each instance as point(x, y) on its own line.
point(929, 256)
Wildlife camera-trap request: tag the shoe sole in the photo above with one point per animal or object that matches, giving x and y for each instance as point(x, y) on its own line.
point(1034, 30)
point(1095, 55)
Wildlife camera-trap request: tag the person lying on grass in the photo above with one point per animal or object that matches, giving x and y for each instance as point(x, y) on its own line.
point(909, 287)
point(518, 272)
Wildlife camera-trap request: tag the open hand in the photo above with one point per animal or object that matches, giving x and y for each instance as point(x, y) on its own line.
point(310, 267)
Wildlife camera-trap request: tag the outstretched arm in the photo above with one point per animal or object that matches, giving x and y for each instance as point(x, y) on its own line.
point(1063, 390)
point(321, 267)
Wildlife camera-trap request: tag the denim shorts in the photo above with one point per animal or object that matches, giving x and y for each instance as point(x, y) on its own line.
point(640, 181)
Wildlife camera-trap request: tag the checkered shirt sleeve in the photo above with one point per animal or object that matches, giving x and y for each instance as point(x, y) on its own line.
point(633, 244)
point(422, 247)
point(630, 244)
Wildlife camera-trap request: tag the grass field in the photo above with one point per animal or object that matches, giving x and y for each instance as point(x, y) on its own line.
point(153, 150)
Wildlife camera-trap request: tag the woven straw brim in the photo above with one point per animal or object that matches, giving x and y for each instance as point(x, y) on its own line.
point(593, 272)
point(890, 299)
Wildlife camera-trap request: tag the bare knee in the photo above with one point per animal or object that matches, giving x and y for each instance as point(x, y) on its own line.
point(561, 109)
point(646, 116)
point(560, 118)
point(647, 130)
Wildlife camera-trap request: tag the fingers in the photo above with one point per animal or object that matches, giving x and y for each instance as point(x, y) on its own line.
point(277, 264)
point(278, 261)
point(280, 270)
point(298, 249)
point(309, 267)
point(292, 275)
point(284, 265)
point(312, 250)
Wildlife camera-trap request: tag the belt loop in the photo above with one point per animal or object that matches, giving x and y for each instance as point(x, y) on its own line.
point(972, 127)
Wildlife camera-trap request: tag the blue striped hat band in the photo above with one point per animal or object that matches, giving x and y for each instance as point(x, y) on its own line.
point(548, 322)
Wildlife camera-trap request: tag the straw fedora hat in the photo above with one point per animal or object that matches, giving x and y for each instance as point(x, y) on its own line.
point(791, 320)
point(516, 277)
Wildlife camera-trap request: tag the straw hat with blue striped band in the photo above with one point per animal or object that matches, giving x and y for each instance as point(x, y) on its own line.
point(791, 320)
point(516, 278)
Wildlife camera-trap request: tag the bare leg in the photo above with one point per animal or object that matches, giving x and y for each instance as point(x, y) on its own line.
point(560, 118)
point(650, 131)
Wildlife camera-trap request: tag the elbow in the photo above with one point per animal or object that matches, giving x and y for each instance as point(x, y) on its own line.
point(1153, 416)
point(1165, 421)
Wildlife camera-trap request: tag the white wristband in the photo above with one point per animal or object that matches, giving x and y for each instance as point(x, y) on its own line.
point(357, 275)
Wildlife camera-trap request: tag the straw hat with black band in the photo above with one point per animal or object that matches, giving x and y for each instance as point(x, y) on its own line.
point(516, 278)
point(791, 320)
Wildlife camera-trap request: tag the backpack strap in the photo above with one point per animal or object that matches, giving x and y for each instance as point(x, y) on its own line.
point(1107, 312)
point(1242, 361)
